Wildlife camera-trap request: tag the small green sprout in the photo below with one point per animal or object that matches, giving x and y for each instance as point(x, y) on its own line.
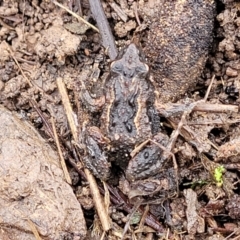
point(218, 175)
point(135, 219)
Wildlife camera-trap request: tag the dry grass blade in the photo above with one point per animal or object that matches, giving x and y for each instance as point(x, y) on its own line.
point(34, 230)
point(134, 210)
point(62, 161)
point(104, 27)
point(23, 74)
point(217, 108)
point(119, 11)
point(68, 108)
point(141, 224)
point(76, 16)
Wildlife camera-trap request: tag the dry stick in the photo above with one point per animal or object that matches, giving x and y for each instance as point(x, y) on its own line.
point(197, 106)
point(103, 25)
point(136, 15)
point(233, 233)
point(121, 202)
point(45, 122)
point(34, 229)
point(16, 61)
point(99, 16)
point(97, 198)
point(215, 108)
point(209, 88)
point(134, 210)
point(173, 109)
point(172, 141)
point(217, 121)
point(169, 110)
point(180, 125)
point(76, 16)
point(62, 161)
point(31, 84)
point(119, 11)
point(142, 222)
point(67, 107)
point(103, 236)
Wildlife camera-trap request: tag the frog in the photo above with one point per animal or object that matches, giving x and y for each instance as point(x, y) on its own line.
point(176, 42)
point(128, 132)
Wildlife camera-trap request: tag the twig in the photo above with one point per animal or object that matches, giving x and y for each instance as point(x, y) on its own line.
point(120, 200)
point(134, 210)
point(209, 89)
point(103, 25)
point(119, 11)
point(26, 61)
point(216, 121)
point(35, 106)
point(173, 109)
point(97, 198)
point(141, 224)
point(68, 108)
point(16, 61)
point(136, 15)
point(215, 108)
point(34, 229)
point(233, 233)
point(76, 16)
point(62, 161)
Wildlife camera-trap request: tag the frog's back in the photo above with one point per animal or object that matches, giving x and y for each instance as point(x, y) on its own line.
point(179, 37)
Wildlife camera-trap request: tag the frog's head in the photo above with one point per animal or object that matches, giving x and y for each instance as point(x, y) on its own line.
point(130, 63)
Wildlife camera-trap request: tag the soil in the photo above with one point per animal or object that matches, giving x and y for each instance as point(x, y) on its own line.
point(40, 42)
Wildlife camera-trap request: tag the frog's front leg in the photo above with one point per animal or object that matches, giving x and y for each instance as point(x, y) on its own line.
point(94, 104)
point(149, 160)
point(96, 159)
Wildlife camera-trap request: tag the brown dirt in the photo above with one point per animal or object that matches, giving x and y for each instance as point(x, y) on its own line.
point(40, 42)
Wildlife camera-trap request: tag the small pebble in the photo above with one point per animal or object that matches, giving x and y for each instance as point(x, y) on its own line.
point(231, 72)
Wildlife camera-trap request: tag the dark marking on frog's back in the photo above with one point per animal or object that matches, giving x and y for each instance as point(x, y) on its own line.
point(128, 93)
point(177, 44)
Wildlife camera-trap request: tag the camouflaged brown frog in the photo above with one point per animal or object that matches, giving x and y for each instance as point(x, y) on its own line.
point(128, 119)
point(176, 46)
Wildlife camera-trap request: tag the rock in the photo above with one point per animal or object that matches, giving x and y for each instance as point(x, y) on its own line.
point(177, 43)
point(56, 42)
point(32, 186)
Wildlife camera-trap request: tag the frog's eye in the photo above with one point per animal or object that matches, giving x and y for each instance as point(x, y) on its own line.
point(116, 67)
point(142, 69)
point(129, 127)
point(146, 154)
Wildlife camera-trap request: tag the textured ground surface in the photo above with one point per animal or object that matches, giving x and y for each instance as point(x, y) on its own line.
point(40, 42)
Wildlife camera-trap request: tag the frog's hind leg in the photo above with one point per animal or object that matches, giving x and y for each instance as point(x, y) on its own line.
point(149, 160)
point(96, 160)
